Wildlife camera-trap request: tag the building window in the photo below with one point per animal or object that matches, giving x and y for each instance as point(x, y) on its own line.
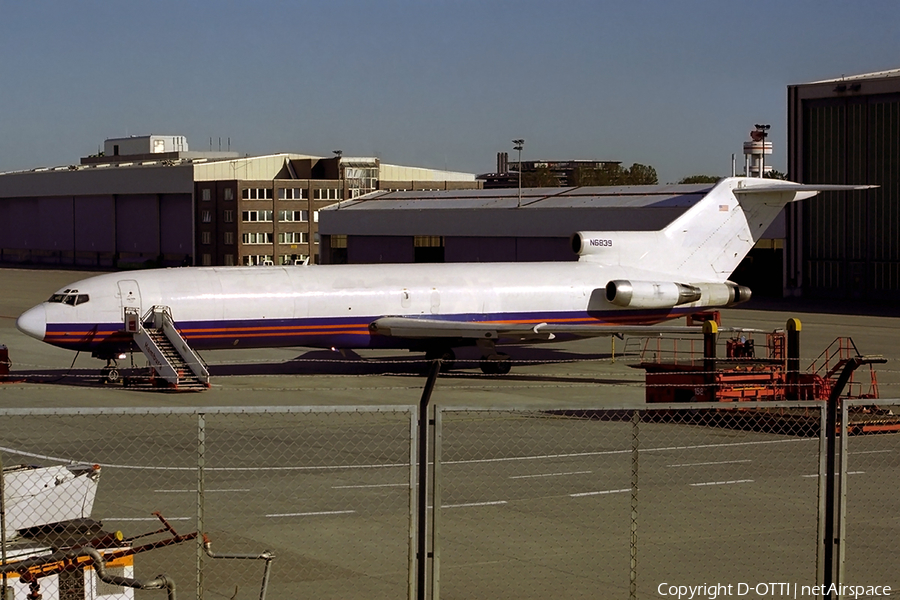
point(293, 259)
point(254, 216)
point(338, 241)
point(228, 237)
point(207, 194)
point(228, 216)
point(428, 249)
point(315, 216)
point(229, 194)
point(293, 215)
point(206, 216)
point(207, 260)
point(257, 259)
point(293, 237)
point(256, 194)
point(229, 260)
point(205, 237)
point(260, 237)
point(327, 194)
point(292, 194)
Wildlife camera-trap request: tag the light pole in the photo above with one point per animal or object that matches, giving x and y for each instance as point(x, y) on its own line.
point(518, 145)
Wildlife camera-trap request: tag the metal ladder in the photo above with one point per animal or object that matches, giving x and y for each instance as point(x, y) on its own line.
point(168, 354)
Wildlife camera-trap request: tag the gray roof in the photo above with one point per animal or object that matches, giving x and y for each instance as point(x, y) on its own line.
point(873, 75)
point(545, 212)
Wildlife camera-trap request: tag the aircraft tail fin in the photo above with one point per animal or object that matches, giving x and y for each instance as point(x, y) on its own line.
point(709, 240)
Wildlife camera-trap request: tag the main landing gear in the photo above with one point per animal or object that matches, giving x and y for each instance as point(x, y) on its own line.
point(495, 364)
point(446, 355)
point(492, 362)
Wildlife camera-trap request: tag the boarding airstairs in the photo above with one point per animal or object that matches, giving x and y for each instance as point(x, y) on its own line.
point(168, 354)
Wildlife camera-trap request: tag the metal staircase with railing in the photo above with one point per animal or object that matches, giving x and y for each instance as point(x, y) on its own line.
point(169, 356)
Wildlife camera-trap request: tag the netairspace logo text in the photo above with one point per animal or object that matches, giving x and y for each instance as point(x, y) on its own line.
point(769, 590)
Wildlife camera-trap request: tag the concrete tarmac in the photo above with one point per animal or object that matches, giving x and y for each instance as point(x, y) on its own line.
point(581, 371)
point(534, 505)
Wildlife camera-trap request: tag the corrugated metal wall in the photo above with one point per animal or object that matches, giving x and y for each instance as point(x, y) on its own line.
point(851, 241)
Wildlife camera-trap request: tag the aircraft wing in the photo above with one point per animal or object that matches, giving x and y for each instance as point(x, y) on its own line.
point(414, 328)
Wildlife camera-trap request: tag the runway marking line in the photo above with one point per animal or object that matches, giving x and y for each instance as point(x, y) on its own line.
point(147, 519)
point(549, 474)
point(468, 504)
point(600, 493)
point(205, 491)
point(848, 473)
point(871, 452)
point(406, 465)
point(313, 514)
point(703, 464)
point(721, 482)
point(371, 485)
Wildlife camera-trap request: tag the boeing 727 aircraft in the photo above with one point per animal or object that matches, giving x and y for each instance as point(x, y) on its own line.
point(623, 282)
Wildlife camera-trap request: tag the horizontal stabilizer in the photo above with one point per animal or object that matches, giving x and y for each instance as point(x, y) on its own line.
point(787, 186)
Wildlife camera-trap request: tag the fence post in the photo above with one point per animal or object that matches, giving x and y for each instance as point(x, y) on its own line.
point(422, 550)
point(821, 567)
point(842, 492)
point(3, 523)
point(635, 454)
point(793, 360)
point(411, 571)
point(201, 464)
point(833, 489)
point(437, 488)
point(710, 335)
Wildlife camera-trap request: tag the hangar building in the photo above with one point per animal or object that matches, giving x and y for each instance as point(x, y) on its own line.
point(150, 201)
point(845, 245)
point(491, 225)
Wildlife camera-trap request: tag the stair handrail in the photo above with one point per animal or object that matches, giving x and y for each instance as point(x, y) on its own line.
point(203, 374)
point(839, 349)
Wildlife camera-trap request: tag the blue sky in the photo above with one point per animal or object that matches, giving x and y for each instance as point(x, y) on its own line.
point(443, 84)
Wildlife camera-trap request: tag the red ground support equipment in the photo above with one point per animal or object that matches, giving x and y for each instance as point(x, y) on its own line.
point(692, 370)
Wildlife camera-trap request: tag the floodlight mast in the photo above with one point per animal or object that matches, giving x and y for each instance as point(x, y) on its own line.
point(518, 145)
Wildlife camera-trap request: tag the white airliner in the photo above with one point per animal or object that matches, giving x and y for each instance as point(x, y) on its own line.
point(623, 282)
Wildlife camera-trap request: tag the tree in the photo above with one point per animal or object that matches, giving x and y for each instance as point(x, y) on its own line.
point(540, 177)
point(700, 179)
point(640, 174)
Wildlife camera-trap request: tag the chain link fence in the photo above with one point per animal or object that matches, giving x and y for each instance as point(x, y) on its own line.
point(580, 502)
point(870, 505)
point(586, 503)
point(326, 490)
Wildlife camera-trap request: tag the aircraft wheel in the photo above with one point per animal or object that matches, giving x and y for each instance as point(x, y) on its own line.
point(503, 365)
point(495, 364)
point(109, 375)
point(446, 355)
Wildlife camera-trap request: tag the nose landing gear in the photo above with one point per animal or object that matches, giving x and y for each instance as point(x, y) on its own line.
point(110, 373)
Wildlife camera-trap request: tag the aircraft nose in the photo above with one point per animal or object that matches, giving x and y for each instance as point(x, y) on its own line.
point(33, 322)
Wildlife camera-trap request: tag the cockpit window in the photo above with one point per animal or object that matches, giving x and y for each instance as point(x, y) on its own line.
point(70, 297)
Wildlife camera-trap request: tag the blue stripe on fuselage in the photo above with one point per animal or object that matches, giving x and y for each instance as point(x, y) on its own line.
point(326, 332)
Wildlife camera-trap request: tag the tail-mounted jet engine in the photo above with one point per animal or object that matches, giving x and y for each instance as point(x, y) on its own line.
point(665, 294)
